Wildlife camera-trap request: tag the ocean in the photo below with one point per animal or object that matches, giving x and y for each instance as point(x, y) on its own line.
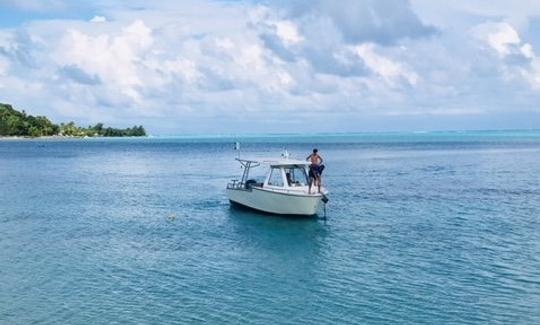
point(421, 228)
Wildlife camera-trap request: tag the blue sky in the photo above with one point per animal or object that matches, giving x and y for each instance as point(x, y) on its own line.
point(274, 66)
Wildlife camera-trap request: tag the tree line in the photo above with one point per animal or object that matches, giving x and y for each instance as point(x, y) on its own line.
point(15, 123)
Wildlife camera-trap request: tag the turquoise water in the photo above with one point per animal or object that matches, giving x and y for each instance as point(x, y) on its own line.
point(427, 228)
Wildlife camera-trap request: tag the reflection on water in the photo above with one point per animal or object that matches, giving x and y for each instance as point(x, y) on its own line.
point(272, 231)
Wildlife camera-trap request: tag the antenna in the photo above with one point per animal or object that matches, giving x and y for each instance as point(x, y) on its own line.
point(285, 154)
point(237, 147)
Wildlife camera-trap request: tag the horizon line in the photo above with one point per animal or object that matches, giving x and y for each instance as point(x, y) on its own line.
point(337, 133)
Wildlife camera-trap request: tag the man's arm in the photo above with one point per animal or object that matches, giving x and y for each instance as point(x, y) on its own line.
point(320, 158)
point(307, 158)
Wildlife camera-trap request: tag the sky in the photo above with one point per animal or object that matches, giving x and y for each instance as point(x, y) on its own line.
point(210, 66)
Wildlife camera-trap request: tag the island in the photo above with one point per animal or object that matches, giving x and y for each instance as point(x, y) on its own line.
point(14, 123)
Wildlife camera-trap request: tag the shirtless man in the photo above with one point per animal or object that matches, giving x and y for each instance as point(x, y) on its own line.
point(315, 169)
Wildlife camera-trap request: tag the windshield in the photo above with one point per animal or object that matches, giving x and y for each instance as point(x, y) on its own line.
point(275, 178)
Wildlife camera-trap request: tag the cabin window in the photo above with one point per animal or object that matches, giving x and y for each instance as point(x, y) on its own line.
point(296, 176)
point(275, 178)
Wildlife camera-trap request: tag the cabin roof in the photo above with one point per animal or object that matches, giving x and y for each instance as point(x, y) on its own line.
point(276, 161)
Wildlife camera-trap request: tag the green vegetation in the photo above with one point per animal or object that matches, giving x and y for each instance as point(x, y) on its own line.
point(15, 123)
point(70, 129)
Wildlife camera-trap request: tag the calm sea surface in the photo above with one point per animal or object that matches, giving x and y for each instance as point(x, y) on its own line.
point(422, 228)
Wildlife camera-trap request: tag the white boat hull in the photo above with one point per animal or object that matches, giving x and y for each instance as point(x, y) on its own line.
point(276, 202)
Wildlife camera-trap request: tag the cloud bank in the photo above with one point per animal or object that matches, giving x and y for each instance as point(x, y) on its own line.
point(212, 66)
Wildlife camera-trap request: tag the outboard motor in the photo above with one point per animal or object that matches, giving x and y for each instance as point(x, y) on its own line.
point(325, 199)
point(250, 183)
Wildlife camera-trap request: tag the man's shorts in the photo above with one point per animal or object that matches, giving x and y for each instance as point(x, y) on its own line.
point(316, 171)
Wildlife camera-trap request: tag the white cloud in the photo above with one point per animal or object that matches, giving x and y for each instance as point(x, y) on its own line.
point(527, 51)
point(288, 32)
point(114, 59)
point(518, 59)
point(389, 70)
point(4, 64)
point(98, 19)
point(503, 38)
point(500, 36)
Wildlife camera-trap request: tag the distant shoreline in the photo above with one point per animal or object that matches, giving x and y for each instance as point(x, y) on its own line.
point(246, 136)
point(20, 125)
point(60, 137)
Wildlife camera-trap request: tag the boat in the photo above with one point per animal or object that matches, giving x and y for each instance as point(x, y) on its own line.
point(283, 191)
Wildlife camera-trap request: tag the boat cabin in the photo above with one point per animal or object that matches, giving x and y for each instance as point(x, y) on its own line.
point(283, 174)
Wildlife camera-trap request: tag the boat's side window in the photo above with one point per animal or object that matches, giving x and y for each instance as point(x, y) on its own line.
point(275, 178)
point(296, 176)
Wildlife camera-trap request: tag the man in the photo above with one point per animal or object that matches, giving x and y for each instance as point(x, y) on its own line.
point(315, 169)
point(289, 179)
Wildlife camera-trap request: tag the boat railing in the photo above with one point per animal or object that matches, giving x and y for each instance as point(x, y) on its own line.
point(235, 185)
